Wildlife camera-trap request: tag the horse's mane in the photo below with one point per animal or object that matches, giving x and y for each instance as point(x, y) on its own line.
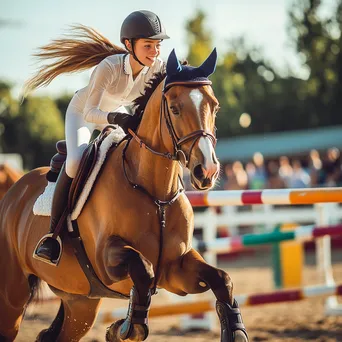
point(140, 103)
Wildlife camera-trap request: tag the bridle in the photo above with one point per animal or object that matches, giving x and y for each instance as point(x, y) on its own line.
point(178, 154)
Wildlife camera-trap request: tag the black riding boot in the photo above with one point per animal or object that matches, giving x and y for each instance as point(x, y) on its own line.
point(48, 248)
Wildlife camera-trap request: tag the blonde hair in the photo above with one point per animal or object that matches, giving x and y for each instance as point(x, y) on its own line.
point(82, 49)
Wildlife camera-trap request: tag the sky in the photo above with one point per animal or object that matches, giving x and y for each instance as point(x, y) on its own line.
point(27, 24)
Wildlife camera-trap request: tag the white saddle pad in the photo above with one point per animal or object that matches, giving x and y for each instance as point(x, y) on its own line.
point(43, 203)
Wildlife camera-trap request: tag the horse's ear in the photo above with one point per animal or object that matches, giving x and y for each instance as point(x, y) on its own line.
point(173, 66)
point(209, 65)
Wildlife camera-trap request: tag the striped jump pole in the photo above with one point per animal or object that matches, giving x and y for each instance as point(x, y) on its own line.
point(198, 307)
point(268, 196)
point(238, 243)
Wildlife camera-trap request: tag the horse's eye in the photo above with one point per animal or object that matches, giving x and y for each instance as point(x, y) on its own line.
point(174, 110)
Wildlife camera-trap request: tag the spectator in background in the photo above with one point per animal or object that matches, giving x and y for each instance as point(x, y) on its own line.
point(315, 168)
point(274, 180)
point(285, 170)
point(230, 180)
point(236, 177)
point(250, 170)
point(332, 167)
point(299, 178)
point(258, 179)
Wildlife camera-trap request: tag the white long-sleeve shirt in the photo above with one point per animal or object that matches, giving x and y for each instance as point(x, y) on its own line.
point(111, 86)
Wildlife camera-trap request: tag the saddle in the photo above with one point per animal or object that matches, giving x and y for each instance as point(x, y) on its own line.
point(85, 168)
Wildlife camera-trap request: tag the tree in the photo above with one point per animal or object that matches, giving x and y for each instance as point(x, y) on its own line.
point(62, 103)
point(246, 83)
point(32, 131)
point(8, 111)
point(243, 81)
point(200, 41)
point(318, 41)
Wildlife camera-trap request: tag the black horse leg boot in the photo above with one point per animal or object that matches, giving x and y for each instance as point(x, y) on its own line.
point(49, 248)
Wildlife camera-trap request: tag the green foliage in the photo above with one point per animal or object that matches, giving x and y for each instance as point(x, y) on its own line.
point(8, 106)
point(42, 118)
point(62, 103)
point(319, 42)
point(31, 129)
point(199, 38)
point(245, 82)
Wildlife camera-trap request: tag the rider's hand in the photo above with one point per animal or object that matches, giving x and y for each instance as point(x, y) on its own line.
point(124, 120)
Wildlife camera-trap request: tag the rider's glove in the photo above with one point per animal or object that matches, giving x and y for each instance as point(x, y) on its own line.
point(124, 120)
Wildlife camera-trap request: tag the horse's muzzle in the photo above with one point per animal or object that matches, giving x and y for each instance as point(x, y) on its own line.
point(202, 179)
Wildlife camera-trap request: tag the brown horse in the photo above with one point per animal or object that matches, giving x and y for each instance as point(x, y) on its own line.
point(136, 226)
point(8, 176)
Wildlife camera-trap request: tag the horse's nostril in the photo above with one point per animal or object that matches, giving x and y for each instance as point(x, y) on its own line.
point(198, 172)
point(206, 182)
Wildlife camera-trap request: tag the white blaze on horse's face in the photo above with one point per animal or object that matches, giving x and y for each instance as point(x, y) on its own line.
point(209, 166)
point(197, 98)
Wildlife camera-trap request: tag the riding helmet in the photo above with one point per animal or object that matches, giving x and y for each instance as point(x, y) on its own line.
point(142, 24)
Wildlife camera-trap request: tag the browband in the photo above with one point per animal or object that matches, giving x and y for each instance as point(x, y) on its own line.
point(185, 83)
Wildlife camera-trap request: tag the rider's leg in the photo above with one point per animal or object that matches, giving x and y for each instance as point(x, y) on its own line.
point(50, 248)
point(78, 134)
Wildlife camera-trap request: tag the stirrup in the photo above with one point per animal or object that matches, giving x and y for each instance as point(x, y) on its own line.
point(40, 242)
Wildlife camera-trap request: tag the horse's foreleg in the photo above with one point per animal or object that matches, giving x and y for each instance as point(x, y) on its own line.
point(191, 274)
point(75, 318)
point(123, 257)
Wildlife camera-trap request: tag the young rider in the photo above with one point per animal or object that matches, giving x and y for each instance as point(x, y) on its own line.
point(118, 79)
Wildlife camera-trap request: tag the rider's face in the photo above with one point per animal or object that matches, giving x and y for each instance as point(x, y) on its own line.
point(147, 50)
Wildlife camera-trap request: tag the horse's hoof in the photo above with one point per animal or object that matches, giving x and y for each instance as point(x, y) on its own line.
point(139, 332)
point(113, 332)
point(240, 336)
point(46, 336)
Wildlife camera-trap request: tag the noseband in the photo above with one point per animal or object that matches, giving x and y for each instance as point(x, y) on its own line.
point(178, 153)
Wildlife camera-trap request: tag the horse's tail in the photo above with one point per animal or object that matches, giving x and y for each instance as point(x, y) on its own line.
point(34, 283)
point(81, 50)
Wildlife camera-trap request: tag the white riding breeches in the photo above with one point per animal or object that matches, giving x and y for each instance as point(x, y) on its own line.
point(78, 133)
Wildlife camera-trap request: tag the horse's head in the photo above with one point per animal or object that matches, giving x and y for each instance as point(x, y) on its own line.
point(190, 108)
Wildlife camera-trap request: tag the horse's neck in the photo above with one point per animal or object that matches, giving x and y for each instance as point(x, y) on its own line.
point(158, 175)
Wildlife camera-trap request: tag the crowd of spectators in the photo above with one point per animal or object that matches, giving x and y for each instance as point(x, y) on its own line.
point(315, 170)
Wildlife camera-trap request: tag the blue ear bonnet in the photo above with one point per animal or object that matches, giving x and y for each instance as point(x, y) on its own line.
point(187, 73)
point(177, 73)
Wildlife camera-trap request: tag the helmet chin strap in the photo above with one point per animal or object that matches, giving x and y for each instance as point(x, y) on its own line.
point(133, 53)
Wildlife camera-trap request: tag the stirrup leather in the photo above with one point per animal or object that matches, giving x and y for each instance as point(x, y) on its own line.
point(40, 242)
